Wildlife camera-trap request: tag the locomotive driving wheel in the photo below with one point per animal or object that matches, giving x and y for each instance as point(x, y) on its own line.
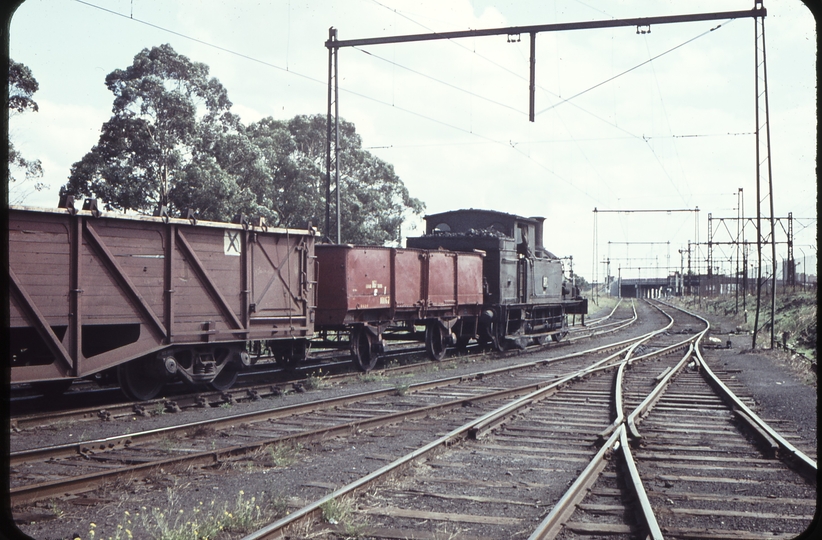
point(492, 332)
point(139, 379)
point(364, 348)
point(436, 340)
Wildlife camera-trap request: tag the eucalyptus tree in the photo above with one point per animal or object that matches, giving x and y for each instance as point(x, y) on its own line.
point(22, 86)
point(374, 200)
point(151, 153)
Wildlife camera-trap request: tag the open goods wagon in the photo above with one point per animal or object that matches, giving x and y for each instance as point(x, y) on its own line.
point(377, 293)
point(154, 299)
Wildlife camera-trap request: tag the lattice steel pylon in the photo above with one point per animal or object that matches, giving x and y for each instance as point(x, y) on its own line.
point(763, 168)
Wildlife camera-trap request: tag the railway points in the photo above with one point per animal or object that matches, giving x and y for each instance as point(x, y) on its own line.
point(370, 432)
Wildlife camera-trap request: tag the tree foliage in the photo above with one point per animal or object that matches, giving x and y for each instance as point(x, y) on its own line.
point(22, 86)
point(149, 152)
point(373, 198)
point(172, 140)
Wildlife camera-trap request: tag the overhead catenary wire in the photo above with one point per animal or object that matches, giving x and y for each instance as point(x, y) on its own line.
point(625, 72)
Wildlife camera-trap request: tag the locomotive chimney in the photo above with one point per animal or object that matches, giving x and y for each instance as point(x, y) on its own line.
point(538, 232)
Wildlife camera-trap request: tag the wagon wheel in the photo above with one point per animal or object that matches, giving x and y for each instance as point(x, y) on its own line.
point(362, 349)
point(138, 380)
point(559, 335)
point(436, 340)
point(226, 378)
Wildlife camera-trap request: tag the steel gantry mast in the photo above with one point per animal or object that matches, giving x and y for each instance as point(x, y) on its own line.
point(763, 168)
point(332, 142)
point(334, 44)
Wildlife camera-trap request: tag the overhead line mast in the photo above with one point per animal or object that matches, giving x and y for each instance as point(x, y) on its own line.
point(333, 44)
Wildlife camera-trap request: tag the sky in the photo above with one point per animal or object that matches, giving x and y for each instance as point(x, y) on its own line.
point(626, 120)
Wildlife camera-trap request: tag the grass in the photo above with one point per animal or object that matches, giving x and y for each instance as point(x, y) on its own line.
point(371, 377)
point(283, 454)
point(401, 388)
point(603, 303)
point(316, 381)
point(794, 313)
point(203, 521)
point(342, 512)
point(168, 443)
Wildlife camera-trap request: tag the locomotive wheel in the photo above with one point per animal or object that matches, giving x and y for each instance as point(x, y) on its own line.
point(138, 380)
point(362, 349)
point(559, 336)
point(436, 340)
point(490, 332)
point(225, 379)
point(497, 341)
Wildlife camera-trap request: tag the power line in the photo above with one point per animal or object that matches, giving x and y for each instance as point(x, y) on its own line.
point(455, 87)
point(631, 69)
point(201, 42)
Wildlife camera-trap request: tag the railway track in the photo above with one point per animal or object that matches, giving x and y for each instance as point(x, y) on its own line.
point(275, 382)
point(544, 442)
point(498, 449)
point(77, 467)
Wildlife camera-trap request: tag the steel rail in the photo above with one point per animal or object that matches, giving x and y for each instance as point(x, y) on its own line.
point(460, 431)
point(34, 492)
point(651, 399)
point(114, 442)
point(30, 493)
point(562, 510)
point(473, 428)
point(503, 413)
point(806, 463)
point(565, 507)
point(219, 397)
point(648, 516)
point(118, 441)
point(597, 320)
point(603, 364)
point(618, 325)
